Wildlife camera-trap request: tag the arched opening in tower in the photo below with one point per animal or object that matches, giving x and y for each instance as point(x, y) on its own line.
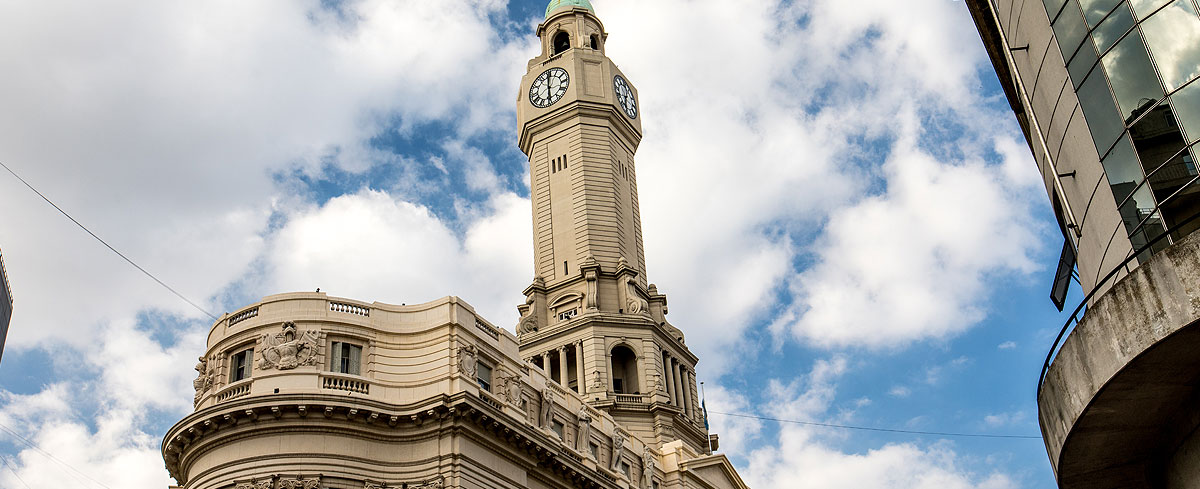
point(595, 41)
point(562, 42)
point(624, 370)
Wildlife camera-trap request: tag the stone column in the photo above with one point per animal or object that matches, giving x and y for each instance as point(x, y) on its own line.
point(687, 394)
point(696, 414)
point(579, 370)
point(675, 370)
point(562, 366)
point(667, 361)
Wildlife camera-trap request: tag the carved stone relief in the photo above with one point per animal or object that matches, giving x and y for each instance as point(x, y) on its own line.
point(467, 358)
point(287, 350)
point(434, 483)
point(299, 483)
point(510, 387)
point(598, 384)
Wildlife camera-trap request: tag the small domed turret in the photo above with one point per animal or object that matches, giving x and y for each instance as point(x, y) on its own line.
point(557, 4)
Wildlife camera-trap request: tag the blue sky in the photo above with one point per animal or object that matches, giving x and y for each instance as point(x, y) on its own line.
point(835, 197)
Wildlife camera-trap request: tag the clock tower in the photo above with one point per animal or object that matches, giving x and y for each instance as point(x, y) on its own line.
point(591, 320)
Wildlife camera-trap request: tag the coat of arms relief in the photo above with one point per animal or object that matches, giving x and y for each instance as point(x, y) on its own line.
point(289, 349)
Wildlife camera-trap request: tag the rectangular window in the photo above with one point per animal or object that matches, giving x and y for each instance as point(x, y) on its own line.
point(595, 450)
point(559, 429)
point(565, 315)
point(625, 469)
point(483, 375)
point(240, 365)
point(346, 358)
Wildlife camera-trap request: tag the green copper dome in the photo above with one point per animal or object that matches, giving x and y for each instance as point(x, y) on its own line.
point(557, 4)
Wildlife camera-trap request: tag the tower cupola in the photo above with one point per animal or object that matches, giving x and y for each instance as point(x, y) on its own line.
point(557, 4)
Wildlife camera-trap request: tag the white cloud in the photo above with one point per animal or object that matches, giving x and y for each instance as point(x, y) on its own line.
point(1007, 345)
point(370, 246)
point(806, 456)
point(1000, 420)
point(900, 391)
point(160, 124)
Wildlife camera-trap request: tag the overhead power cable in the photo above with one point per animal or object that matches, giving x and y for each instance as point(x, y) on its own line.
point(884, 430)
point(14, 472)
point(52, 457)
point(114, 250)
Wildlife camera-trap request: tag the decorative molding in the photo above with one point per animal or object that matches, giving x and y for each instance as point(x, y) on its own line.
point(286, 350)
point(467, 358)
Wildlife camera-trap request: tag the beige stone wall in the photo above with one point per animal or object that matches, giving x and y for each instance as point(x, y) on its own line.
point(415, 413)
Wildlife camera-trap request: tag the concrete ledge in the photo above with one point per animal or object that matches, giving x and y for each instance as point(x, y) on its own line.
point(1112, 401)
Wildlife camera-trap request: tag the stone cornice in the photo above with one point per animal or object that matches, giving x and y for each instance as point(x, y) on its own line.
point(583, 110)
point(324, 412)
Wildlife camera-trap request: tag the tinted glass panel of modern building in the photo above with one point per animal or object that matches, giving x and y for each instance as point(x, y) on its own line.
point(6, 304)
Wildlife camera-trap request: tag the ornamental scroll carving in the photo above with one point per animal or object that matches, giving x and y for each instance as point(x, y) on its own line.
point(467, 358)
point(257, 484)
point(434, 483)
point(287, 350)
point(299, 483)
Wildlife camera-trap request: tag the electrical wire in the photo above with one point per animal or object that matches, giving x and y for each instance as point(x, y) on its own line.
point(15, 474)
point(884, 430)
point(105, 243)
point(52, 457)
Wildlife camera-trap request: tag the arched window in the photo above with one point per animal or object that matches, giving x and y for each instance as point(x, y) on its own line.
point(624, 370)
point(595, 41)
point(562, 42)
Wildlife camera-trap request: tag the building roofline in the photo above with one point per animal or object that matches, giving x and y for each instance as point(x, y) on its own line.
point(4, 279)
point(989, 32)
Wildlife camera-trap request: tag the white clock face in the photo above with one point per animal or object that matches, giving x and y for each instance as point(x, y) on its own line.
point(549, 87)
point(625, 97)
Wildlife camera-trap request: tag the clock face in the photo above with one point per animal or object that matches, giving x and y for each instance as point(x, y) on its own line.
point(549, 87)
point(625, 97)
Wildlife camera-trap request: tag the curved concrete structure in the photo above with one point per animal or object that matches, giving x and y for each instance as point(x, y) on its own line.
point(1117, 407)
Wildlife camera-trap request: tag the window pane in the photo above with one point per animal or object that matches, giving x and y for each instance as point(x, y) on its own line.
point(1187, 110)
point(1070, 30)
point(1083, 61)
point(1132, 77)
point(1137, 209)
point(1111, 29)
point(335, 363)
point(1156, 138)
point(1123, 170)
point(1100, 112)
point(1095, 10)
point(1173, 35)
point(1184, 204)
point(1052, 7)
point(1143, 8)
point(355, 359)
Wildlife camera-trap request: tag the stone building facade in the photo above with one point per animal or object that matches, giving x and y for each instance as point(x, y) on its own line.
point(596, 390)
point(1105, 92)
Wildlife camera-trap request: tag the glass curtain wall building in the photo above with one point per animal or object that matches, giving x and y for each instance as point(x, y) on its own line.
point(6, 303)
point(1105, 92)
point(1133, 66)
